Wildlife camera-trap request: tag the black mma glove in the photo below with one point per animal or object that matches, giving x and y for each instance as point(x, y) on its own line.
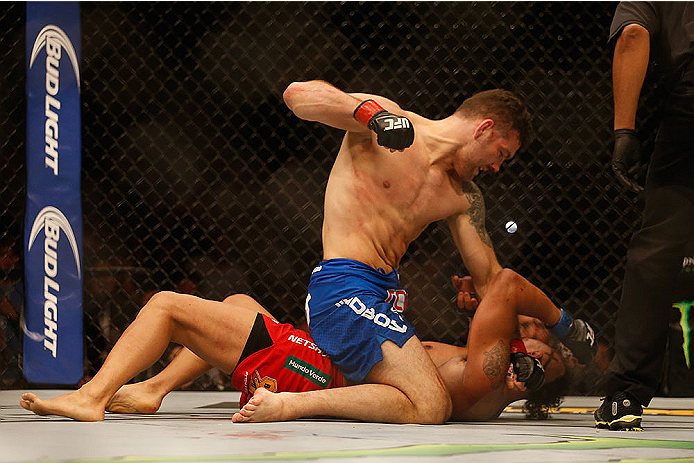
point(527, 368)
point(392, 131)
point(627, 152)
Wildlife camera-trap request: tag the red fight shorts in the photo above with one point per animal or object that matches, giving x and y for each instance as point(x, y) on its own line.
point(293, 363)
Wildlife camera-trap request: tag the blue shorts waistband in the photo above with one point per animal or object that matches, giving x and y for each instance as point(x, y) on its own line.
point(345, 266)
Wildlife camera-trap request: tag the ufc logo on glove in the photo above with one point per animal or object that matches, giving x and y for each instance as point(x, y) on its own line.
point(396, 123)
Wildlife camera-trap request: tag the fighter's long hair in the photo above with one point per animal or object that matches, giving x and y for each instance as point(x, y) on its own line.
point(540, 401)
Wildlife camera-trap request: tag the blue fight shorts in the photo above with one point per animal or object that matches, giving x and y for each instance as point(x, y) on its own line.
point(351, 309)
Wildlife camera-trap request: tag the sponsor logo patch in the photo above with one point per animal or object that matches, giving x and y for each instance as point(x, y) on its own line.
point(308, 371)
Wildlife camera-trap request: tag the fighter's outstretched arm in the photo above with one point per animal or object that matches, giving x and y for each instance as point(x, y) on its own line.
point(472, 240)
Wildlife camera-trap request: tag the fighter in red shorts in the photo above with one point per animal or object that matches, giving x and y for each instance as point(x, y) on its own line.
point(237, 336)
point(240, 337)
point(278, 357)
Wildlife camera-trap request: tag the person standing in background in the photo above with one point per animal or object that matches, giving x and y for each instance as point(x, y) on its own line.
point(639, 31)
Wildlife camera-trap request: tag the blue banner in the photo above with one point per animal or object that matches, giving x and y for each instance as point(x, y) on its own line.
point(53, 224)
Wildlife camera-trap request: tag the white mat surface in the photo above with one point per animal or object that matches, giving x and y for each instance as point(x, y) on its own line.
point(196, 426)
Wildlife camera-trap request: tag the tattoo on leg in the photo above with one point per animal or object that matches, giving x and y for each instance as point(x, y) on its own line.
point(495, 364)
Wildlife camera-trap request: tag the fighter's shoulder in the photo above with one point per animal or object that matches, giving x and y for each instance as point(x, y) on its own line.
point(470, 188)
point(473, 195)
point(475, 208)
point(468, 196)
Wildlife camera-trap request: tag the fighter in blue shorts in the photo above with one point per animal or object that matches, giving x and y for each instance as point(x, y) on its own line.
point(351, 309)
point(395, 173)
point(377, 201)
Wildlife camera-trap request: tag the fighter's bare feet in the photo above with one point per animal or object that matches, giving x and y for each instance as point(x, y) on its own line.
point(134, 398)
point(264, 406)
point(76, 405)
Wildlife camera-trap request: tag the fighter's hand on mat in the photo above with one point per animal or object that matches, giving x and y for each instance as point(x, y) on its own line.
point(467, 299)
point(392, 131)
point(626, 153)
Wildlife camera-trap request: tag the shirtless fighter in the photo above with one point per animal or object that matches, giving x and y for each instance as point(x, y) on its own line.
point(377, 201)
point(240, 337)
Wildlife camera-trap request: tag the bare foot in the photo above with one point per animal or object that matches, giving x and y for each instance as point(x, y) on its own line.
point(264, 406)
point(134, 398)
point(76, 405)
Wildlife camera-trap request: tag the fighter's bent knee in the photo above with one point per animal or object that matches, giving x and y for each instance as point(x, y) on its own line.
point(434, 407)
point(164, 298)
point(167, 301)
point(438, 409)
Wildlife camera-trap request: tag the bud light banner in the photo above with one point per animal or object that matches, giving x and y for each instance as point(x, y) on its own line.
point(53, 223)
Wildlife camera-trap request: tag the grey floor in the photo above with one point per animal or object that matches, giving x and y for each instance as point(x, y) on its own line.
point(196, 426)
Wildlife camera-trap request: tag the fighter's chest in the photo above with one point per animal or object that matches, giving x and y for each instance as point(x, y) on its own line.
point(420, 189)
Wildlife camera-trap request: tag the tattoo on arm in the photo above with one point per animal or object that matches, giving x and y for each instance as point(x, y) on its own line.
point(495, 364)
point(476, 211)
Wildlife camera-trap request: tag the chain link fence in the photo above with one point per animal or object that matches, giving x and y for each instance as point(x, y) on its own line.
point(197, 177)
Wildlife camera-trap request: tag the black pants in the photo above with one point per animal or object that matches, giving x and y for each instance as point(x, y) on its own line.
point(654, 260)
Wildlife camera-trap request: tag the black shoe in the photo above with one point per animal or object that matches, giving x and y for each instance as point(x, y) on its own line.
point(601, 421)
point(581, 341)
point(619, 412)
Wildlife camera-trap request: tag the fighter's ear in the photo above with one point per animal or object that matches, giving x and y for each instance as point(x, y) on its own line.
point(482, 127)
